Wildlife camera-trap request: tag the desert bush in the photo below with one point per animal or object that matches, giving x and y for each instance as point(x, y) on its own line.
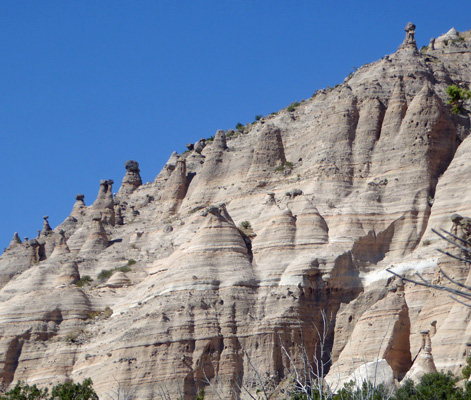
point(63, 391)
point(245, 225)
point(466, 371)
point(240, 127)
point(103, 314)
point(84, 280)
point(286, 165)
point(75, 391)
point(456, 98)
point(434, 386)
point(124, 268)
point(23, 391)
point(105, 274)
point(293, 106)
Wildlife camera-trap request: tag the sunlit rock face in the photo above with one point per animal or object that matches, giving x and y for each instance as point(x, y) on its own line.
point(246, 248)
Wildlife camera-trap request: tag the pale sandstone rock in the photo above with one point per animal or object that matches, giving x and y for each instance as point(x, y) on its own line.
point(97, 239)
point(382, 332)
point(68, 275)
point(79, 206)
point(174, 190)
point(15, 241)
point(104, 202)
point(268, 154)
point(117, 280)
point(376, 163)
point(132, 180)
point(424, 363)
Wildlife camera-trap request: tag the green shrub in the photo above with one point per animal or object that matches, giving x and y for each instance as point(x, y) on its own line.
point(103, 314)
point(124, 268)
point(258, 117)
point(437, 386)
point(105, 274)
point(23, 391)
point(200, 396)
point(84, 280)
point(75, 391)
point(456, 98)
point(245, 225)
point(367, 391)
point(64, 391)
point(283, 166)
point(426, 242)
point(280, 168)
point(210, 139)
point(240, 127)
point(466, 371)
point(131, 261)
point(293, 106)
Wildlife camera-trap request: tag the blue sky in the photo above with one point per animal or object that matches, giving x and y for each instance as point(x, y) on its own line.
point(87, 85)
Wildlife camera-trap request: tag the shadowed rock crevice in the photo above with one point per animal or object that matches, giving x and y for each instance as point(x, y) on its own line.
point(12, 357)
point(372, 248)
point(371, 117)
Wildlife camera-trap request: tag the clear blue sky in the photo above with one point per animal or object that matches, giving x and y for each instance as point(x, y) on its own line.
point(87, 85)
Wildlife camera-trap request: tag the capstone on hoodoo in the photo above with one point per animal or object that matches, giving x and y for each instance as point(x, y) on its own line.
point(409, 40)
point(132, 180)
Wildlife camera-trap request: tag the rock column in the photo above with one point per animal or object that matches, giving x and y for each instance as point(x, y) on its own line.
point(132, 180)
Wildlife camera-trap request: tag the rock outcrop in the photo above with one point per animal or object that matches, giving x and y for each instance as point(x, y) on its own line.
point(132, 180)
point(251, 250)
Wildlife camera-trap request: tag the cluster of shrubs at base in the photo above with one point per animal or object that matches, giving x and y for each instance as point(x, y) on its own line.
point(436, 386)
point(65, 391)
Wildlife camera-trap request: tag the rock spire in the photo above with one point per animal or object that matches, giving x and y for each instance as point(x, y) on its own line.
point(409, 40)
point(104, 202)
point(132, 180)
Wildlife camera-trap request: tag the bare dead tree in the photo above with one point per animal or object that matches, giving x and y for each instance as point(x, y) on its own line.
point(122, 392)
point(458, 291)
point(310, 377)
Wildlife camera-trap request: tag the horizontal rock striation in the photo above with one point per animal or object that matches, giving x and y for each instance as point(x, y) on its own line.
point(251, 250)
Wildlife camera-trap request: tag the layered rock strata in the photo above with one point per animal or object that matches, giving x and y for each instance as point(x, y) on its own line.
point(259, 250)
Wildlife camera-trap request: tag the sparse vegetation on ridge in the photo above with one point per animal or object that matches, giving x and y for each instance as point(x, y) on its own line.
point(293, 106)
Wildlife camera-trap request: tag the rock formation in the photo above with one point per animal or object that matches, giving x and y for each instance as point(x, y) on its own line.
point(175, 188)
point(132, 180)
point(268, 153)
point(409, 40)
point(97, 239)
point(251, 250)
point(104, 202)
point(424, 363)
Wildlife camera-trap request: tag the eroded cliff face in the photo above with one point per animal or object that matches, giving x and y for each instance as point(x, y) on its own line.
point(334, 192)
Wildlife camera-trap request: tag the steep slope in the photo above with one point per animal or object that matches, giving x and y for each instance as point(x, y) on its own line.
point(330, 194)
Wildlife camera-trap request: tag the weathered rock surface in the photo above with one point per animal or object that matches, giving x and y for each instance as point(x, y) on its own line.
point(132, 180)
point(246, 247)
